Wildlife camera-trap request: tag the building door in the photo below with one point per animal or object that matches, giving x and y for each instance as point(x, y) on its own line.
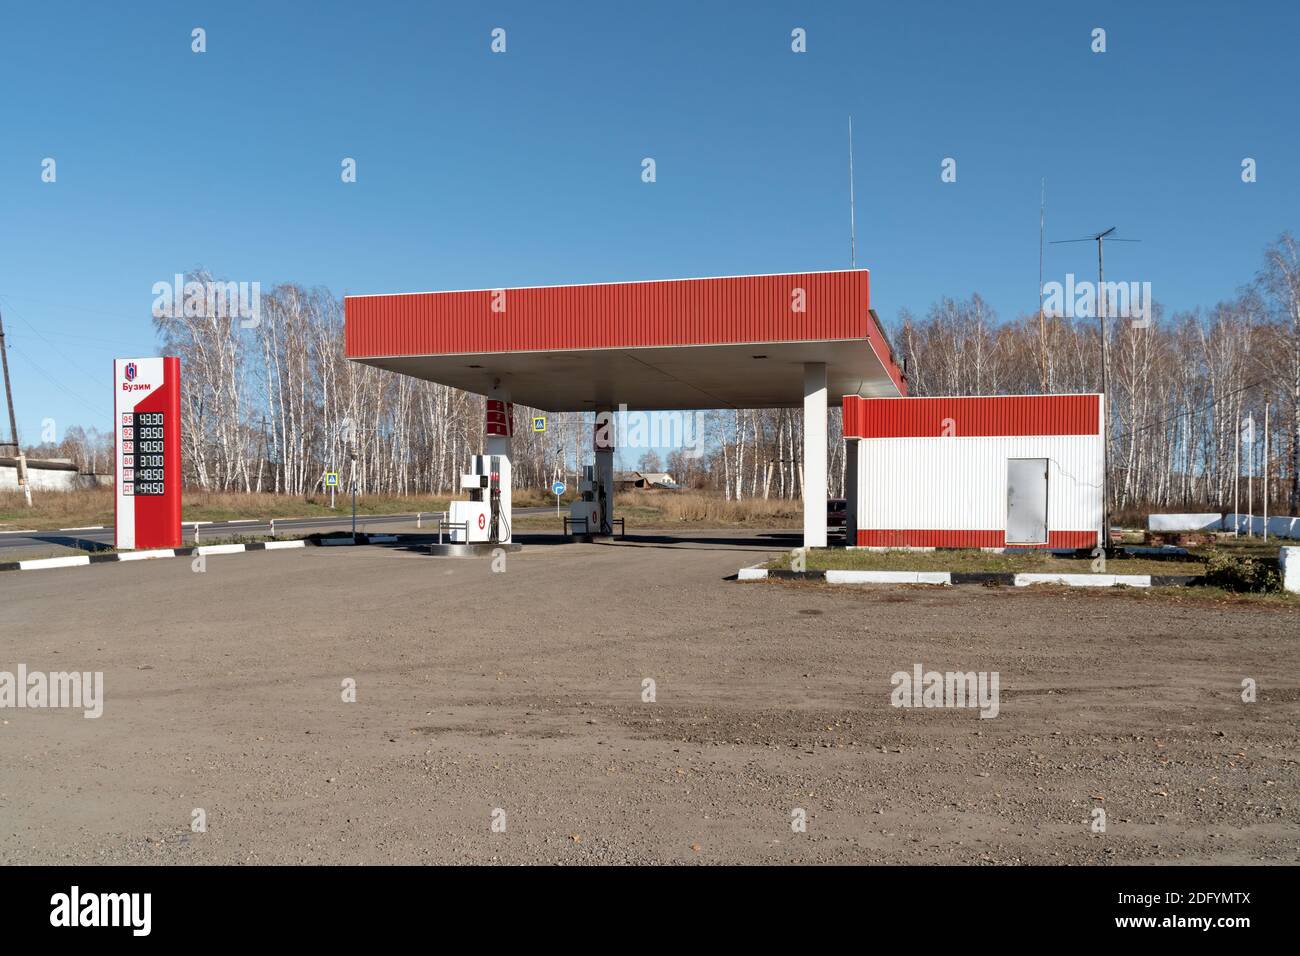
point(1026, 501)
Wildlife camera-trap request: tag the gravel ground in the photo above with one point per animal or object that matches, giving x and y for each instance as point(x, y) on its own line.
point(522, 691)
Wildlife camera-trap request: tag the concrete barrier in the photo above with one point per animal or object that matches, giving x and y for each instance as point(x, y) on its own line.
point(1210, 521)
point(1289, 559)
point(1085, 580)
point(1279, 526)
point(1283, 526)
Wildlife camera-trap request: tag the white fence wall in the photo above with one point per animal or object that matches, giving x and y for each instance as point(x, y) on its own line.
point(1279, 526)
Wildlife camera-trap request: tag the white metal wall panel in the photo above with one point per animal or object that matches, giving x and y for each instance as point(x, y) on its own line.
point(958, 483)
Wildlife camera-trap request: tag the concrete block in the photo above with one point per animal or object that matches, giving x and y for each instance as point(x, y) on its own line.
point(1289, 559)
point(1210, 521)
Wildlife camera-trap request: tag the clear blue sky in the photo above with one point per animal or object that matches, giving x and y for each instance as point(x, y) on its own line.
point(483, 170)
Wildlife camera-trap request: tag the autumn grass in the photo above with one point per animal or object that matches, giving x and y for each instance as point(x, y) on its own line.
point(71, 509)
point(698, 509)
point(676, 511)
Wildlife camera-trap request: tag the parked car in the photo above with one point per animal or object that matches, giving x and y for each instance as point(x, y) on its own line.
point(837, 513)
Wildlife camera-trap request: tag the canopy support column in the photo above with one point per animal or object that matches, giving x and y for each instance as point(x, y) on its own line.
point(603, 447)
point(814, 455)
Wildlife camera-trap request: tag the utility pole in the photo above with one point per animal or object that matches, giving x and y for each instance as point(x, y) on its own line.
point(353, 452)
point(1236, 472)
point(1266, 404)
point(1250, 477)
point(13, 422)
point(1100, 238)
point(1044, 361)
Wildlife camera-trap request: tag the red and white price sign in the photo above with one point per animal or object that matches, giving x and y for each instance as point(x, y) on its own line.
point(146, 416)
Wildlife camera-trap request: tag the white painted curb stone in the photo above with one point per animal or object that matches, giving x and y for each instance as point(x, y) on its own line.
point(1085, 580)
point(888, 577)
point(146, 555)
point(39, 563)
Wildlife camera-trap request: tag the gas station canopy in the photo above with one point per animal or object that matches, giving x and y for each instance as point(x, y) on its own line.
point(732, 342)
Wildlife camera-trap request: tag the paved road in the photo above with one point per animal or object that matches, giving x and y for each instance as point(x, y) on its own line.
point(525, 690)
point(18, 544)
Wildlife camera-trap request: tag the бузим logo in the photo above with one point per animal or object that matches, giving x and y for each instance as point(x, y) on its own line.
point(130, 371)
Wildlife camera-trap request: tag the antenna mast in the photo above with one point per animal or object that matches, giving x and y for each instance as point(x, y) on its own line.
point(853, 237)
point(1045, 378)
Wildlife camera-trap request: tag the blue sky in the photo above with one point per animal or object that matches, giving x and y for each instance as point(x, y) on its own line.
point(484, 170)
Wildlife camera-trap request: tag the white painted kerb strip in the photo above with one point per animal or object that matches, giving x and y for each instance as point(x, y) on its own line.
point(146, 555)
point(1085, 580)
point(36, 565)
point(219, 549)
point(888, 577)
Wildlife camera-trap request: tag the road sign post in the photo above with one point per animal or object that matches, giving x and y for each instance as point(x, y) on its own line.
point(557, 489)
point(332, 483)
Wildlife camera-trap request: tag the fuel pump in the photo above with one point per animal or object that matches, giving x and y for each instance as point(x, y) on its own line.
point(586, 513)
point(485, 517)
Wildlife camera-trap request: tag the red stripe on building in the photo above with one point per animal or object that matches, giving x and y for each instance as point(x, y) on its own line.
point(938, 538)
point(984, 416)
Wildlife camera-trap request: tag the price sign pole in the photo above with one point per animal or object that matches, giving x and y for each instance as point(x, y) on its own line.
point(147, 452)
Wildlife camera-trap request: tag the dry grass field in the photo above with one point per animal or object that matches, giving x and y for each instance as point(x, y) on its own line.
point(641, 508)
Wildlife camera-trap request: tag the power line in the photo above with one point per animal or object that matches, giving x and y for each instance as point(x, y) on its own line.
point(41, 336)
point(55, 382)
point(1193, 411)
point(69, 308)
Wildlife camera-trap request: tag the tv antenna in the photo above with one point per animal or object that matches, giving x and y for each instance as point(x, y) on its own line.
point(1100, 238)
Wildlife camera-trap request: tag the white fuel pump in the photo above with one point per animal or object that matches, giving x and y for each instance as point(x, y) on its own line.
point(485, 517)
point(587, 511)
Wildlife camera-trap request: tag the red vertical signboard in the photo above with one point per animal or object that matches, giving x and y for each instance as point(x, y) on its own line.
point(147, 426)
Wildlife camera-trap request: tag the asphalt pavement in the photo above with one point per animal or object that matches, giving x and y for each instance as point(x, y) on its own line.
point(27, 543)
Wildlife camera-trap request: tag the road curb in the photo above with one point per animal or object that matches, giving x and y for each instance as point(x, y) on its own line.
point(202, 550)
point(944, 578)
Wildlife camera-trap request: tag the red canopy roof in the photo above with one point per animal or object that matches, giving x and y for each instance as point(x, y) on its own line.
point(739, 341)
